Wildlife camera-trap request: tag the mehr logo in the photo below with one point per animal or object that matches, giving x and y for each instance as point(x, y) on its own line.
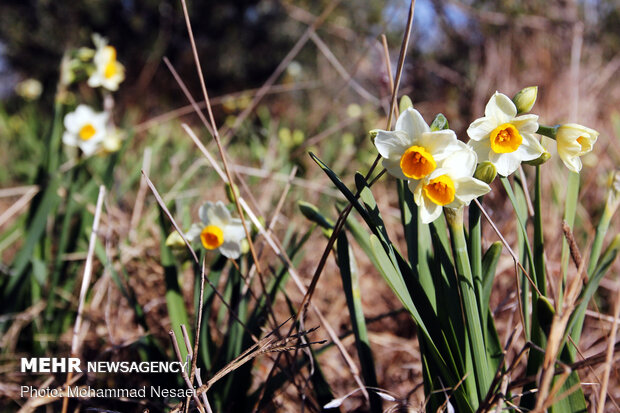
point(51, 365)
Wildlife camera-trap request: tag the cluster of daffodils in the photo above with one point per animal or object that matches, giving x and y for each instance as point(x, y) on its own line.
point(440, 169)
point(85, 128)
point(218, 230)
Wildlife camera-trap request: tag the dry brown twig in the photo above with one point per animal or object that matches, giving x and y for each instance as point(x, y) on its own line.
point(88, 271)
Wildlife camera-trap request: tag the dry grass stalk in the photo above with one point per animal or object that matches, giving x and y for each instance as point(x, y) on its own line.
point(88, 272)
point(610, 352)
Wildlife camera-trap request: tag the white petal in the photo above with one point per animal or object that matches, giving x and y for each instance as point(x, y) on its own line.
point(500, 108)
point(394, 169)
point(219, 215)
point(526, 123)
point(234, 231)
point(193, 233)
point(231, 249)
point(530, 148)
point(203, 212)
point(89, 147)
point(482, 149)
point(411, 122)
point(505, 163)
point(469, 188)
point(429, 211)
point(441, 143)
point(461, 163)
point(392, 145)
point(69, 138)
point(573, 163)
point(481, 128)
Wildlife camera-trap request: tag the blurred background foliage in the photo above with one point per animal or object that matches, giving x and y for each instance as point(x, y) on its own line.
point(460, 49)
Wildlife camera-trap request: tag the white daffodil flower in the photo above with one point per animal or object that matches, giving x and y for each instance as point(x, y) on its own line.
point(574, 141)
point(218, 230)
point(450, 186)
point(412, 151)
point(109, 72)
point(504, 138)
point(85, 128)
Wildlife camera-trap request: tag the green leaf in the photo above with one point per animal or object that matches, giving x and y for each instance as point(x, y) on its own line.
point(489, 264)
point(350, 283)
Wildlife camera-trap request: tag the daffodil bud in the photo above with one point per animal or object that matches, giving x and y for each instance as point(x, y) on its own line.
point(440, 123)
point(486, 172)
point(613, 192)
point(29, 89)
point(85, 54)
point(175, 241)
point(312, 213)
point(245, 246)
point(112, 143)
point(405, 103)
point(525, 99)
point(373, 134)
point(544, 157)
point(229, 192)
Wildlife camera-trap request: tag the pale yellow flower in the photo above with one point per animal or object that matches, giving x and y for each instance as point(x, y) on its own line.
point(573, 141)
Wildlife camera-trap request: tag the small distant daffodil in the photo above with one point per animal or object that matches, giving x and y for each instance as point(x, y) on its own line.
point(574, 141)
point(412, 151)
point(218, 230)
point(450, 186)
point(85, 129)
point(504, 138)
point(109, 72)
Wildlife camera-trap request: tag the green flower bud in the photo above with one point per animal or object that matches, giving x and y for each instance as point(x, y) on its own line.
point(613, 192)
point(175, 241)
point(440, 123)
point(373, 134)
point(229, 192)
point(486, 172)
point(525, 99)
point(405, 103)
point(312, 213)
point(245, 246)
point(544, 157)
point(85, 54)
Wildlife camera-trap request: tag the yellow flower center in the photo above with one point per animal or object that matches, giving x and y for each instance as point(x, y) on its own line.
point(505, 138)
point(87, 131)
point(416, 162)
point(111, 52)
point(583, 141)
point(110, 70)
point(212, 237)
point(440, 190)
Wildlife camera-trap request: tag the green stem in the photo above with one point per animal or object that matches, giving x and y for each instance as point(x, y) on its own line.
point(570, 209)
point(470, 304)
point(475, 256)
point(548, 131)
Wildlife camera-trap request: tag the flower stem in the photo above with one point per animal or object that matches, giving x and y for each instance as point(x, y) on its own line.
point(470, 303)
point(548, 131)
